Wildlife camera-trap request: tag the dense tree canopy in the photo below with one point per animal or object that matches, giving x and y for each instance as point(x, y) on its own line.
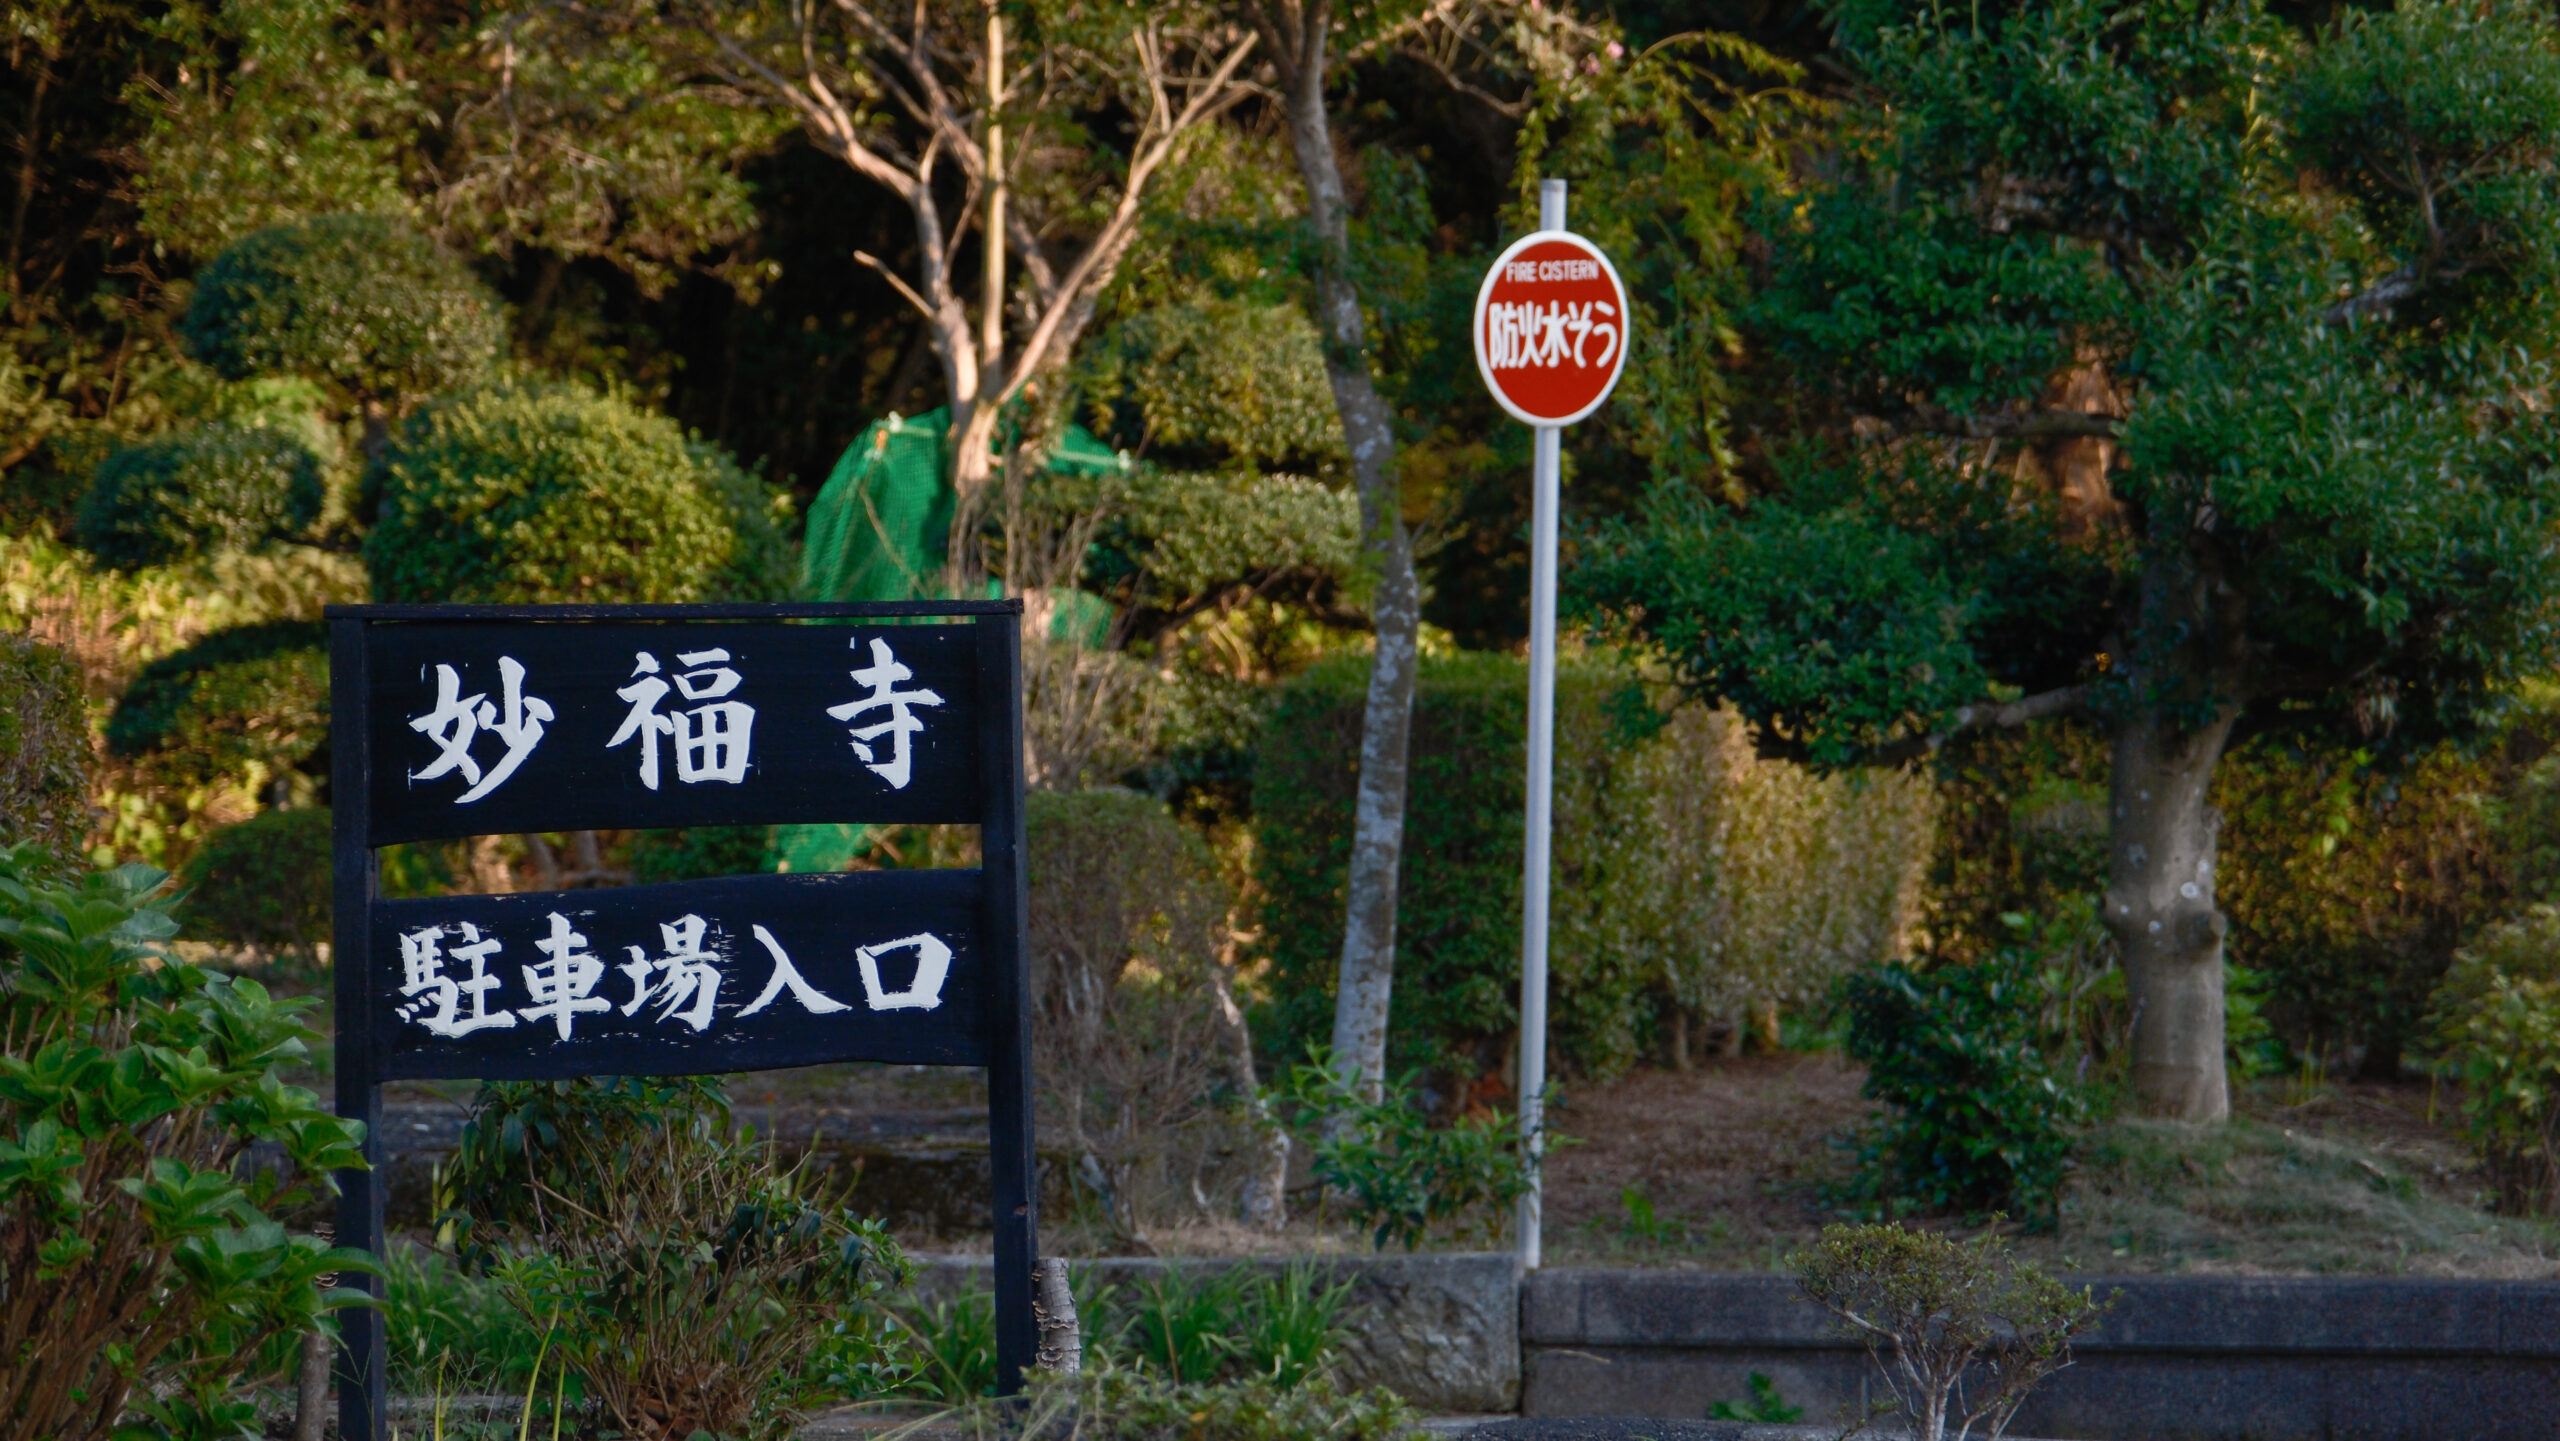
point(2160, 362)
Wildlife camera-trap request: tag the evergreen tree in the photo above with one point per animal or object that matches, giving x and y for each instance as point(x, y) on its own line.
point(2160, 363)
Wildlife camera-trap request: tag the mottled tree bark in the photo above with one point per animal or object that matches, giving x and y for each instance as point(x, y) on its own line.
point(2160, 907)
point(1296, 39)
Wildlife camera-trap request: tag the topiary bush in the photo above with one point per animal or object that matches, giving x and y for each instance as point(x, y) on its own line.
point(550, 494)
point(149, 1283)
point(2497, 1025)
point(210, 487)
point(44, 747)
point(263, 883)
point(364, 303)
point(248, 706)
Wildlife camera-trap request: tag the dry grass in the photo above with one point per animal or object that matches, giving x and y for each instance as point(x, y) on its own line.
point(2307, 1179)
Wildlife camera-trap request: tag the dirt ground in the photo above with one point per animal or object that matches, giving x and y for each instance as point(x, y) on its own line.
point(1718, 1169)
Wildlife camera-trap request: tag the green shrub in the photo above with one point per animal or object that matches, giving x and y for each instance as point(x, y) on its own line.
point(693, 853)
point(690, 1277)
point(1457, 906)
point(44, 747)
point(1216, 383)
point(364, 303)
point(549, 494)
point(1692, 877)
point(2497, 1024)
point(1978, 1122)
point(1403, 1178)
point(210, 487)
point(249, 706)
point(148, 1280)
point(263, 882)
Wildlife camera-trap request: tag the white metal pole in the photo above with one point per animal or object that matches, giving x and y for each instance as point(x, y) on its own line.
point(1544, 484)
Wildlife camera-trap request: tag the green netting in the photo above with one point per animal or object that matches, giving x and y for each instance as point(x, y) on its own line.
point(879, 530)
point(882, 523)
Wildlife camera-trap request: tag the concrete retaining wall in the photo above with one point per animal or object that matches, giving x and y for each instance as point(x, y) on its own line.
point(1443, 1331)
point(2178, 1359)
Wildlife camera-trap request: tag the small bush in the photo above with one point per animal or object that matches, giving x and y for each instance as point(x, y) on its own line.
point(364, 303)
point(1136, 1056)
point(249, 706)
point(1958, 1333)
point(690, 1278)
point(148, 1281)
point(1978, 1121)
point(211, 487)
point(44, 747)
point(1403, 1178)
point(550, 494)
point(2497, 1024)
point(263, 883)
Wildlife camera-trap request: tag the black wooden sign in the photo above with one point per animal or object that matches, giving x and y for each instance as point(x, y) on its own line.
point(474, 720)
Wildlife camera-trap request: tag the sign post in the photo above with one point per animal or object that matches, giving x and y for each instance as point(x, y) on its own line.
point(472, 720)
point(1551, 328)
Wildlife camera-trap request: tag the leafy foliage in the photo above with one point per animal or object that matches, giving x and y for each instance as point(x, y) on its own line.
point(1404, 1178)
point(148, 1277)
point(2497, 1022)
point(44, 747)
point(264, 882)
point(1959, 1333)
point(1680, 859)
point(684, 1270)
point(1764, 1405)
point(698, 852)
point(1979, 1122)
point(363, 303)
point(210, 487)
point(551, 494)
point(248, 705)
point(1214, 383)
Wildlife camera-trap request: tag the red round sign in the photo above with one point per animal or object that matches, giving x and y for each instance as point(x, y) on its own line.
point(1551, 328)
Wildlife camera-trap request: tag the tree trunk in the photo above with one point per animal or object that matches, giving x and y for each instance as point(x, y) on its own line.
point(2160, 908)
point(1367, 977)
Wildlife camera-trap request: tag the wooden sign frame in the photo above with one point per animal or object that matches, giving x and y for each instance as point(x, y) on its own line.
point(951, 992)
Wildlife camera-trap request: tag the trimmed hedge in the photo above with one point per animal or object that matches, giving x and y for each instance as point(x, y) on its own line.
point(1691, 877)
point(209, 487)
point(263, 882)
point(364, 303)
point(550, 494)
point(44, 747)
point(253, 698)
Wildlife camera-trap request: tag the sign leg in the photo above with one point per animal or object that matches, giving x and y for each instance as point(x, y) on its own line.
point(1000, 845)
point(363, 1384)
point(363, 1376)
